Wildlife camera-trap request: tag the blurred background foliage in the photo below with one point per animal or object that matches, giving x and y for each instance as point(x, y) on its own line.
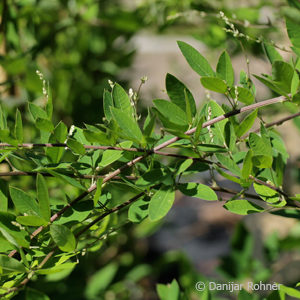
point(78, 45)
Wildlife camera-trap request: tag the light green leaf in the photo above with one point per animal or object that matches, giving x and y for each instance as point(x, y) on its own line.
point(110, 156)
point(31, 221)
point(266, 193)
point(11, 265)
point(160, 203)
point(63, 237)
point(272, 53)
point(282, 73)
point(214, 84)
point(176, 91)
point(295, 84)
point(184, 165)
point(172, 112)
point(290, 291)
point(107, 104)
point(44, 125)
point(246, 124)
point(43, 197)
point(23, 202)
point(75, 146)
point(12, 233)
point(98, 191)
point(98, 137)
point(129, 126)
point(225, 69)
point(293, 32)
point(36, 111)
point(169, 291)
point(242, 207)
point(19, 127)
point(198, 190)
point(121, 100)
point(100, 280)
point(262, 151)
point(49, 104)
point(242, 94)
point(6, 138)
point(229, 163)
point(197, 62)
point(247, 165)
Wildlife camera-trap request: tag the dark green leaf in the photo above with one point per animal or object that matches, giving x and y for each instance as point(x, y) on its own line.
point(107, 104)
point(31, 221)
point(271, 53)
point(246, 124)
point(138, 211)
point(242, 94)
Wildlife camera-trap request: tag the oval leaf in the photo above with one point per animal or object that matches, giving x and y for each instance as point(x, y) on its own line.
point(63, 237)
point(198, 190)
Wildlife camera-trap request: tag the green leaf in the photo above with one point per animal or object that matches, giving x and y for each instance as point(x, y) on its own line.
point(37, 112)
point(98, 137)
point(171, 112)
point(242, 94)
point(282, 73)
point(197, 62)
point(19, 127)
point(59, 135)
point(6, 138)
point(23, 202)
point(98, 191)
point(198, 129)
point(169, 291)
point(293, 32)
point(110, 156)
point(271, 84)
point(138, 211)
point(184, 165)
point(242, 207)
point(246, 124)
point(160, 203)
point(122, 101)
point(229, 163)
point(225, 69)
point(176, 91)
point(262, 151)
point(100, 280)
point(31, 221)
point(247, 165)
point(129, 126)
point(272, 53)
point(75, 146)
point(3, 122)
point(44, 125)
point(290, 291)
point(214, 84)
point(107, 104)
point(49, 104)
point(188, 110)
point(3, 195)
point(12, 233)
point(198, 190)
point(295, 84)
point(10, 265)
point(63, 237)
point(43, 197)
point(266, 193)
point(66, 179)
